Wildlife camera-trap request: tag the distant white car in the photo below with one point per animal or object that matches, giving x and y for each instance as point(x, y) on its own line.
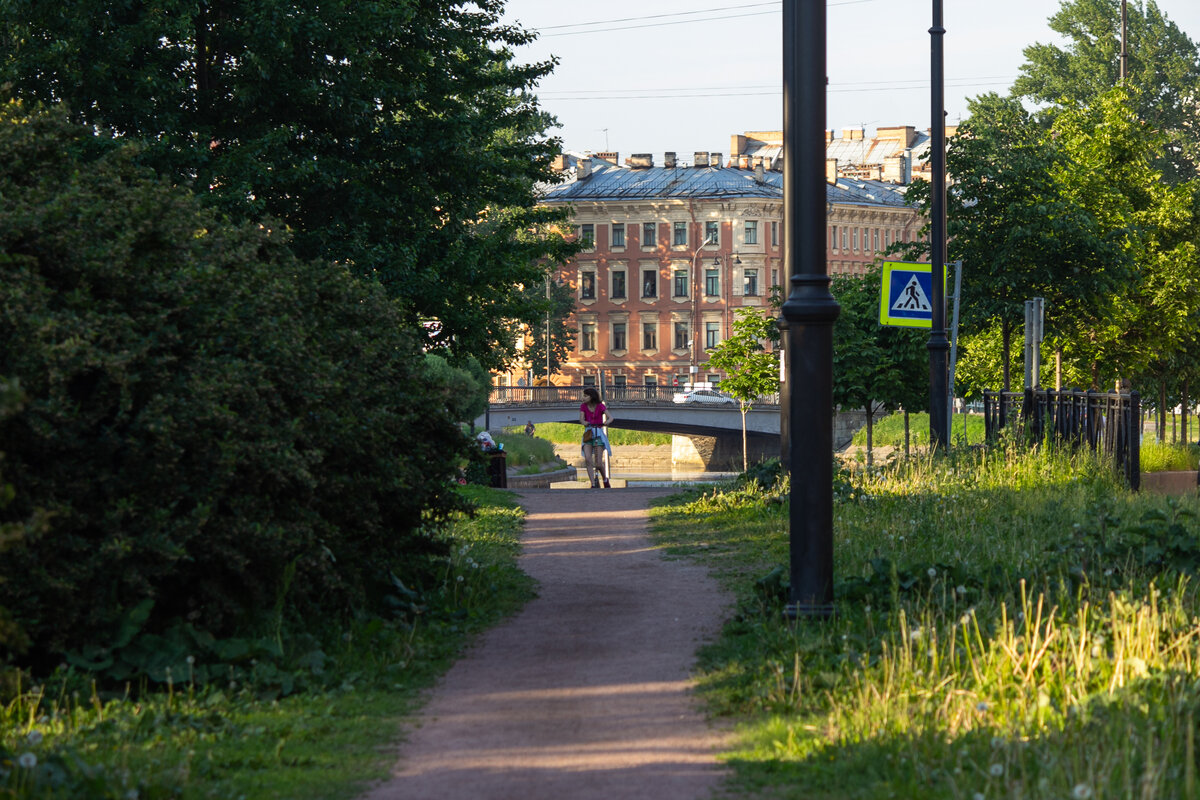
point(707, 396)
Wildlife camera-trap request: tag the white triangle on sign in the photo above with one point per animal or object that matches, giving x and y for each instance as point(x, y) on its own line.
point(912, 298)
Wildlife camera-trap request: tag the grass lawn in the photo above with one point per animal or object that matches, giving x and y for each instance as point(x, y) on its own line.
point(241, 739)
point(568, 433)
point(1008, 625)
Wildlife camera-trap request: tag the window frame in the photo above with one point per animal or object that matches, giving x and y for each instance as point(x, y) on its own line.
point(750, 232)
point(750, 287)
point(612, 233)
point(712, 282)
point(587, 284)
point(646, 271)
point(678, 228)
point(649, 234)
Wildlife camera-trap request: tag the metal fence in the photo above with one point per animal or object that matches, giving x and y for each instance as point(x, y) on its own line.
point(1106, 422)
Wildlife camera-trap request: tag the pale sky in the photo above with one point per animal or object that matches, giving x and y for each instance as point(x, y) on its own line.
point(640, 76)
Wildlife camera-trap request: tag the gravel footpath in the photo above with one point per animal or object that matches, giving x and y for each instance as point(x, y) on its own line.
point(585, 693)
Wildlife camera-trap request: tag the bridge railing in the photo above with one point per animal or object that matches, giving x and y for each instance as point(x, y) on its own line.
point(569, 395)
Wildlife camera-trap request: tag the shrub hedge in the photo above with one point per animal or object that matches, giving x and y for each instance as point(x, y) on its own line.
point(218, 430)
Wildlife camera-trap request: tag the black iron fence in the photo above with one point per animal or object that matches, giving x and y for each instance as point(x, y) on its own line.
point(1105, 422)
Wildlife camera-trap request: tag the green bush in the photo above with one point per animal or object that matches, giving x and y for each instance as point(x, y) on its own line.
point(219, 431)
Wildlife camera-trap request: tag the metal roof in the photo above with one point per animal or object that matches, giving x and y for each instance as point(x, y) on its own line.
point(611, 182)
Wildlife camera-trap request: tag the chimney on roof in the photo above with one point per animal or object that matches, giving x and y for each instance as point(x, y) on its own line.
point(583, 169)
point(700, 159)
point(828, 136)
point(559, 163)
point(760, 173)
point(641, 160)
point(669, 159)
point(852, 134)
point(612, 157)
point(743, 161)
point(831, 174)
point(737, 144)
point(714, 159)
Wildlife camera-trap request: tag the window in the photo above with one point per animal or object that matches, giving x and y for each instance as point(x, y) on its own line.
point(712, 334)
point(854, 238)
point(712, 281)
point(587, 235)
point(887, 237)
point(681, 283)
point(589, 380)
point(587, 336)
point(618, 381)
point(650, 381)
point(751, 231)
point(714, 379)
point(679, 235)
point(618, 336)
point(875, 239)
point(618, 234)
point(712, 232)
point(774, 234)
point(649, 283)
point(618, 284)
point(750, 283)
point(835, 239)
point(649, 336)
point(681, 336)
point(587, 286)
point(649, 237)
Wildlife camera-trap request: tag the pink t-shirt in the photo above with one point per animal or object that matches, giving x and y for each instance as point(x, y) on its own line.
point(593, 417)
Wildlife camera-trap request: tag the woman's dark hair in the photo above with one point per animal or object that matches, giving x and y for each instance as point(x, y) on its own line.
point(591, 394)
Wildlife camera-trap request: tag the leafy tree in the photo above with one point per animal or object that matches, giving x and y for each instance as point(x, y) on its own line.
point(396, 138)
point(1164, 69)
point(463, 390)
point(1109, 172)
point(558, 306)
point(1018, 234)
point(750, 369)
point(209, 421)
point(875, 366)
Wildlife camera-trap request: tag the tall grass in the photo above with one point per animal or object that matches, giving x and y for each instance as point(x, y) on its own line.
point(1009, 624)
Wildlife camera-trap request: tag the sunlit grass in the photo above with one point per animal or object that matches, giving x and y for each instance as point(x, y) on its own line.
point(568, 433)
point(1007, 625)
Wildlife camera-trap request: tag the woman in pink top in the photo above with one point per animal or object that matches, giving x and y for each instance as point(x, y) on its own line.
point(594, 416)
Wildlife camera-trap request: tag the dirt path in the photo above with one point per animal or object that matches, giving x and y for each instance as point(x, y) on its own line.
point(585, 694)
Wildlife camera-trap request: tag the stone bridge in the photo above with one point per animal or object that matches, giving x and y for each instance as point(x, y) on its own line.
point(704, 436)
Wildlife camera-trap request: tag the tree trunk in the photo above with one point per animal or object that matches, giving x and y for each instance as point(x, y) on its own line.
point(745, 465)
point(1183, 407)
point(1162, 411)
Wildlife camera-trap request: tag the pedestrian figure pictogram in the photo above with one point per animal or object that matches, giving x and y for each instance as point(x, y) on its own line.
point(912, 298)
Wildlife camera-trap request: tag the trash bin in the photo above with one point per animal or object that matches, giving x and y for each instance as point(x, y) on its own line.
point(497, 470)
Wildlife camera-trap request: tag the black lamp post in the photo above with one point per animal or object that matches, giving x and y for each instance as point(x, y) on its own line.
point(808, 313)
point(939, 346)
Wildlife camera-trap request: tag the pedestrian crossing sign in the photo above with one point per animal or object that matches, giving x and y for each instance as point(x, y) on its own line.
point(905, 299)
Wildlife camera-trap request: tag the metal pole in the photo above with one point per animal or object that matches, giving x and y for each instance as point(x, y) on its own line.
point(938, 345)
point(1124, 63)
point(808, 314)
point(954, 348)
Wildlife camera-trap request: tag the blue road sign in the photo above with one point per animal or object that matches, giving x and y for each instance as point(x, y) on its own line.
point(904, 297)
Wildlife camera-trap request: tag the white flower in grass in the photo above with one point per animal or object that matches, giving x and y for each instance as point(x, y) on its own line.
point(132, 794)
point(915, 634)
point(932, 572)
point(1081, 791)
point(977, 796)
point(191, 660)
point(459, 578)
point(997, 743)
point(27, 760)
point(996, 770)
point(34, 738)
point(981, 706)
point(960, 589)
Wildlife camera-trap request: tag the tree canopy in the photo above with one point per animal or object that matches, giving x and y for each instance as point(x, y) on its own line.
point(751, 370)
point(396, 138)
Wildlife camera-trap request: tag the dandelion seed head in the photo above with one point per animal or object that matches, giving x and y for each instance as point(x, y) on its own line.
point(981, 706)
point(1081, 791)
point(191, 660)
point(997, 743)
point(977, 796)
point(932, 572)
point(27, 760)
point(996, 770)
point(960, 589)
point(459, 579)
point(34, 737)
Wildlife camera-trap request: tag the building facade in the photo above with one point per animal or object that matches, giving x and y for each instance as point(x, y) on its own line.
point(673, 251)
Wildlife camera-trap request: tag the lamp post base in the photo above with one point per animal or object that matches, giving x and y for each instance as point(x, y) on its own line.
point(798, 611)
